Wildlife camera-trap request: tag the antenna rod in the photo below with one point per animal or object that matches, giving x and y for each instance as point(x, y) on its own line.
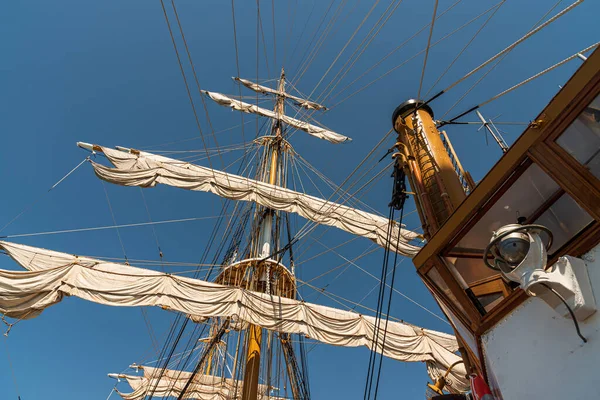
point(496, 135)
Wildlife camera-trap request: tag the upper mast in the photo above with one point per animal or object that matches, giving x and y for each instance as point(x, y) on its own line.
point(434, 172)
point(252, 370)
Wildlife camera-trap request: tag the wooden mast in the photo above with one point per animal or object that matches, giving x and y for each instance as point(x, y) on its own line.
point(252, 370)
point(433, 172)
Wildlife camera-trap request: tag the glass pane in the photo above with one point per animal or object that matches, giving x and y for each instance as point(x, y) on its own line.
point(565, 218)
point(525, 196)
point(491, 300)
point(582, 138)
point(436, 278)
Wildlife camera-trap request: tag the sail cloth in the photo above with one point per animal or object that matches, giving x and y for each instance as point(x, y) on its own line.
point(309, 105)
point(146, 170)
point(311, 129)
point(54, 275)
point(170, 383)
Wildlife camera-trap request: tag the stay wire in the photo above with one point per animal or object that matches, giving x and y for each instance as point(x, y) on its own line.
point(189, 57)
point(361, 48)
point(377, 322)
point(401, 64)
point(98, 228)
point(574, 56)
point(387, 313)
point(237, 62)
point(185, 81)
point(314, 35)
point(345, 46)
point(112, 214)
point(28, 207)
point(496, 8)
point(392, 52)
point(427, 48)
point(274, 35)
point(12, 371)
point(515, 44)
point(317, 48)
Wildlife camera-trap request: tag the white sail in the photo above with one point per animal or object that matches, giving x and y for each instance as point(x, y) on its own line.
point(170, 383)
point(313, 130)
point(26, 294)
point(309, 105)
point(146, 170)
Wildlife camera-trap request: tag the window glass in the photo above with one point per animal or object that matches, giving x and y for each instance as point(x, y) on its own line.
point(436, 278)
point(582, 138)
point(523, 198)
point(565, 218)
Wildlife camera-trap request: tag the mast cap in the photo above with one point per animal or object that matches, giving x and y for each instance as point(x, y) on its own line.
point(409, 106)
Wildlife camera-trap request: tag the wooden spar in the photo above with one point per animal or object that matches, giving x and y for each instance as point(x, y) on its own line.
point(431, 171)
point(252, 371)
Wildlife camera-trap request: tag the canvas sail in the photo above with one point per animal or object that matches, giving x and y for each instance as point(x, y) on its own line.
point(146, 170)
point(311, 129)
point(309, 105)
point(171, 383)
point(26, 294)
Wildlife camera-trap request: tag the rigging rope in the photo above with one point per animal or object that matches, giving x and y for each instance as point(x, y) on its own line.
point(512, 46)
point(12, 371)
point(185, 81)
point(362, 47)
point(274, 35)
point(97, 228)
point(399, 197)
point(394, 50)
point(237, 63)
point(30, 205)
point(576, 55)
point(345, 46)
point(427, 48)
point(496, 7)
point(401, 64)
point(112, 214)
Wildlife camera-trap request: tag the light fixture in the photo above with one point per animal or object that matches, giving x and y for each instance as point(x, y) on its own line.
point(521, 255)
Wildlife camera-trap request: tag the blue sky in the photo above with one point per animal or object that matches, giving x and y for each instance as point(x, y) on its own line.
point(105, 72)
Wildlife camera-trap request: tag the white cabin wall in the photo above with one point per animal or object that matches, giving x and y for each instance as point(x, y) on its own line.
point(536, 354)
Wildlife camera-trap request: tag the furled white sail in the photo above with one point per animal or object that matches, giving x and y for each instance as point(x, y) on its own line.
point(146, 170)
point(313, 130)
point(309, 105)
point(170, 383)
point(50, 278)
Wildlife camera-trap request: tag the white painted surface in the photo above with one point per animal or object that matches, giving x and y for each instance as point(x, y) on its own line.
point(535, 353)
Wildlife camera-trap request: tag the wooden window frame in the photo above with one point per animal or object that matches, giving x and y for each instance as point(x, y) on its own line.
point(537, 144)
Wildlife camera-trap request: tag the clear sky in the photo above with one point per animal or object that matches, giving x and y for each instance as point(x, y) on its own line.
point(106, 72)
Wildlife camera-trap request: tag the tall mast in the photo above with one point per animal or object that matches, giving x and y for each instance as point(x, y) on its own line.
point(252, 370)
point(433, 171)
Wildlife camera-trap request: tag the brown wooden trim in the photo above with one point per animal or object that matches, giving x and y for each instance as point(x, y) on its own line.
point(544, 206)
point(587, 76)
point(463, 252)
point(473, 357)
point(516, 298)
point(449, 304)
point(493, 284)
point(583, 242)
point(574, 165)
point(503, 187)
point(482, 358)
point(584, 192)
point(459, 293)
point(424, 269)
point(574, 108)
